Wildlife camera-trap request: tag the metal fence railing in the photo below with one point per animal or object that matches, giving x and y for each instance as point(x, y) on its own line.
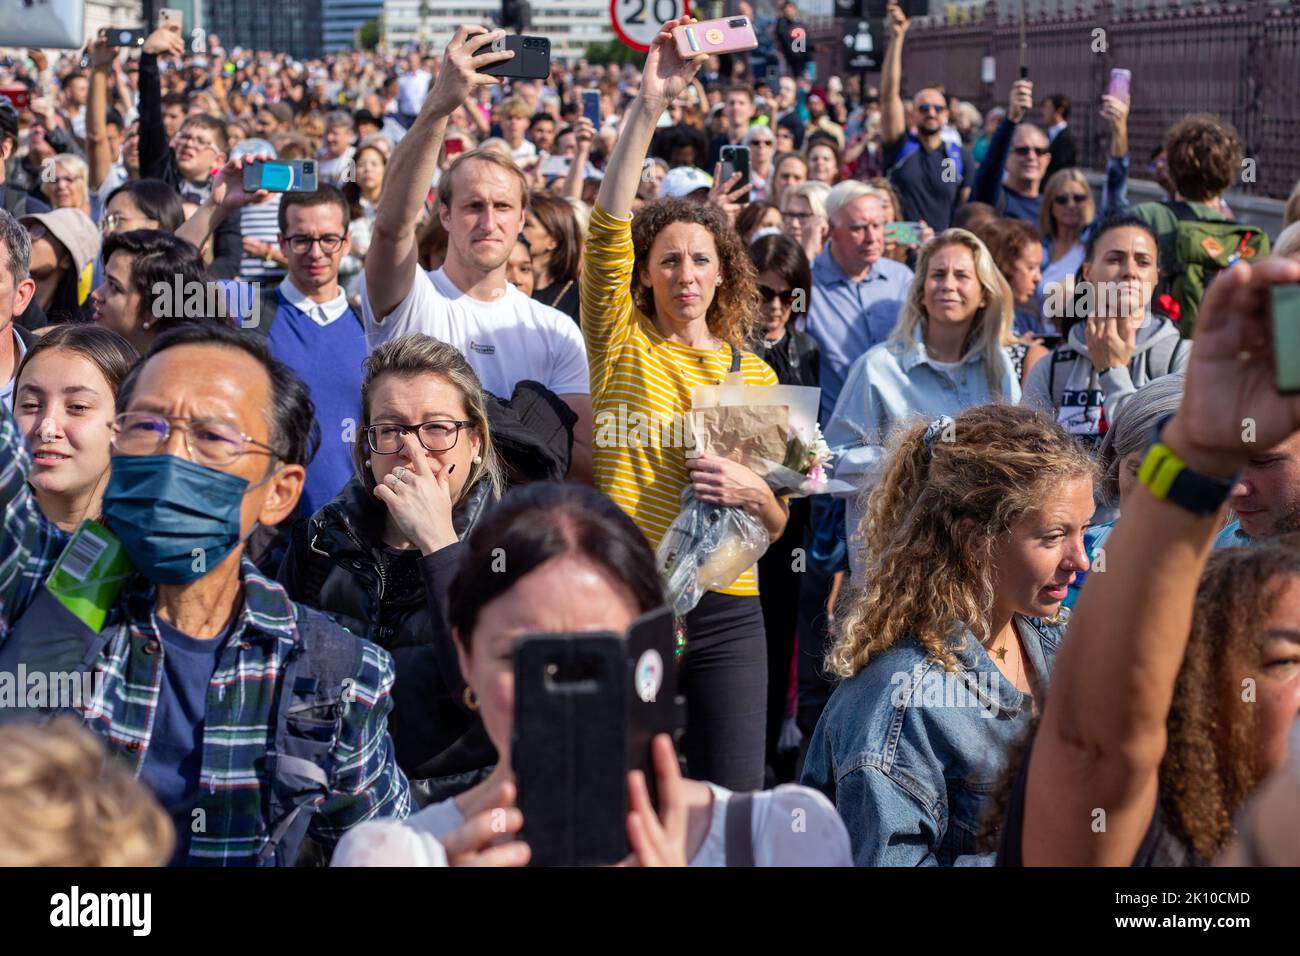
point(1239, 61)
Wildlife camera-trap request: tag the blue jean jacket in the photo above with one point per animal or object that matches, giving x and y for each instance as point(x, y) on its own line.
point(911, 754)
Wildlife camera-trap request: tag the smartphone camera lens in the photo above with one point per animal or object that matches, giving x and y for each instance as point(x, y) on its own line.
point(309, 167)
point(737, 23)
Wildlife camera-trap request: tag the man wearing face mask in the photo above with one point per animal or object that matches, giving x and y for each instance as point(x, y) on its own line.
point(203, 667)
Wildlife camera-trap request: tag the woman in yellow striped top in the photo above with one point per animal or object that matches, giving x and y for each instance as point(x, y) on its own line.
point(667, 304)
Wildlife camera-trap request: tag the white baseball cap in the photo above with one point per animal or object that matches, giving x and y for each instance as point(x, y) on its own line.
point(682, 181)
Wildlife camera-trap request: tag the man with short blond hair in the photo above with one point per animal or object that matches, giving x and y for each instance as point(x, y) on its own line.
point(506, 336)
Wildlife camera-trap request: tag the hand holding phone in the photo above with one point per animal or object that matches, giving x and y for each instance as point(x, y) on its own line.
point(119, 37)
point(591, 106)
point(281, 176)
point(1120, 85)
point(903, 233)
point(735, 160)
point(728, 35)
point(531, 60)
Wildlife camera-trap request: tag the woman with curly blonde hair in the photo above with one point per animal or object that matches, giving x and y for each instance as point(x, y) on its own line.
point(668, 302)
point(973, 535)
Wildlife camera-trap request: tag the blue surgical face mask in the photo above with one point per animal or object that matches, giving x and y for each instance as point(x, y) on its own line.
point(176, 519)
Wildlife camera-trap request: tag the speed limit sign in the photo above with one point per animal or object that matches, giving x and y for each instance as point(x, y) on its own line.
point(638, 22)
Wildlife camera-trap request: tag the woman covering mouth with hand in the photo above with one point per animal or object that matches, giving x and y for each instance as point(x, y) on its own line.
point(64, 401)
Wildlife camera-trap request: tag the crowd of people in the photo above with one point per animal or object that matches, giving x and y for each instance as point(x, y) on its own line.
point(350, 444)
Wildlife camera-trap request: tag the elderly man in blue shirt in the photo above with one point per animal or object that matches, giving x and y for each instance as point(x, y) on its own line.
point(856, 291)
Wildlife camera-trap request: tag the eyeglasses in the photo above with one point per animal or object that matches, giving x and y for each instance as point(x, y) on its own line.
point(768, 294)
point(200, 144)
point(1026, 150)
point(1077, 198)
point(930, 107)
point(439, 435)
point(213, 443)
point(114, 221)
point(762, 142)
point(329, 244)
point(798, 216)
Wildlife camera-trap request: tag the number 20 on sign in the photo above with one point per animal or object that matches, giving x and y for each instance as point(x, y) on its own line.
point(638, 22)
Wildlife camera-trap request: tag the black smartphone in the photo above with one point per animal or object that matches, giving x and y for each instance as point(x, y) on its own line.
point(117, 36)
point(569, 747)
point(281, 175)
point(735, 159)
point(586, 709)
point(591, 107)
point(531, 60)
point(1286, 337)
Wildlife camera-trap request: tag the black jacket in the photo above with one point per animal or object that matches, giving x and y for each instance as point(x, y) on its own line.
point(1063, 153)
point(337, 563)
point(795, 357)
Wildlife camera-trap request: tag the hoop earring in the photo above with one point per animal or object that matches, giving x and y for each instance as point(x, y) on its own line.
point(470, 698)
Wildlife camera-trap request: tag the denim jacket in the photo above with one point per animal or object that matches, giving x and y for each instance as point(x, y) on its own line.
point(911, 754)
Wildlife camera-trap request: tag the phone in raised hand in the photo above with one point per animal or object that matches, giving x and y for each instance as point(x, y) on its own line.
point(735, 159)
point(281, 176)
point(728, 35)
point(1120, 85)
point(1286, 337)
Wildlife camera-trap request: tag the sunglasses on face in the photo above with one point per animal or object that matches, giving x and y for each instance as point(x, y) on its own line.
point(768, 294)
point(930, 107)
point(1077, 198)
point(1027, 150)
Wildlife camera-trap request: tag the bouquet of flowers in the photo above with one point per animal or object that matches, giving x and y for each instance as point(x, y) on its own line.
point(773, 431)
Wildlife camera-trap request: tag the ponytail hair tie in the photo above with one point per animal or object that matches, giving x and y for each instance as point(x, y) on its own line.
point(935, 429)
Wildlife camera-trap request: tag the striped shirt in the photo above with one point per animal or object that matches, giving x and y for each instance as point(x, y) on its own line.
point(641, 389)
point(261, 221)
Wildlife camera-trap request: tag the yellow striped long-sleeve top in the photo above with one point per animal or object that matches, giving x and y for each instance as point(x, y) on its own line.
point(641, 389)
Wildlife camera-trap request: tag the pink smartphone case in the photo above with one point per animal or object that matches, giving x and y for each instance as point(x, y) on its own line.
point(715, 36)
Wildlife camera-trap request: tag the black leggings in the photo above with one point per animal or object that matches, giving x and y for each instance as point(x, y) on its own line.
point(724, 678)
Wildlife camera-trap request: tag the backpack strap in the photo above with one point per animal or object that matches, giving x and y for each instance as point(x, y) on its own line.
point(735, 359)
point(1160, 356)
point(1182, 210)
point(1059, 355)
point(740, 830)
point(313, 693)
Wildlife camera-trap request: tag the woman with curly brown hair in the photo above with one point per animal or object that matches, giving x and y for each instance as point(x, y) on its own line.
point(1169, 704)
point(972, 537)
point(668, 302)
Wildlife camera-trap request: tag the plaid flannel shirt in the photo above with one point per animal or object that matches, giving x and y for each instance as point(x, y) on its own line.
point(365, 782)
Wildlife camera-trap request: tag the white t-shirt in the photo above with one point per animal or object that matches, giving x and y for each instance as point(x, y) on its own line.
point(506, 342)
point(412, 88)
point(791, 826)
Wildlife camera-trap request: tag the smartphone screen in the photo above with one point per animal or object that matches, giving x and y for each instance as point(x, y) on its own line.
point(735, 159)
point(1286, 337)
point(454, 146)
point(20, 98)
point(903, 233)
point(591, 107)
point(1120, 85)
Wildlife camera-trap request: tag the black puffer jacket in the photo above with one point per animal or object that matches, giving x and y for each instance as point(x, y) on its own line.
point(337, 562)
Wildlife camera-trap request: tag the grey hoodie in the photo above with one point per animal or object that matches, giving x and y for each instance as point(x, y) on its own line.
point(1085, 402)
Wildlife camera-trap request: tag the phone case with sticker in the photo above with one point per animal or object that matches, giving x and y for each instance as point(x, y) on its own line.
point(728, 35)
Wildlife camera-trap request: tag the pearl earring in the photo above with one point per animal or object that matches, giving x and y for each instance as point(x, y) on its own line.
point(719, 282)
point(367, 462)
point(478, 459)
point(144, 325)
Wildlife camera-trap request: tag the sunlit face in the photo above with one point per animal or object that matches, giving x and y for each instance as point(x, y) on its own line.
point(739, 109)
point(513, 128)
point(370, 170)
point(1028, 157)
point(931, 111)
point(594, 600)
point(784, 140)
point(173, 116)
point(1037, 560)
point(486, 215)
point(1123, 271)
point(123, 214)
point(68, 191)
point(116, 304)
point(762, 146)
point(412, 400)
point(791, 172)
point(314, 269)
point(542, 134)
point(797, 218)
point(64, 406)
point(952, 288)
point(1072, 204)
point(337, 140)
point(197, 152)
point(822, 166)
point(682, 270)
point(858, 234)
point(1266, 497)
point(519, 268)
point(1276, 676)
point(1026, 273)
point(771, 219)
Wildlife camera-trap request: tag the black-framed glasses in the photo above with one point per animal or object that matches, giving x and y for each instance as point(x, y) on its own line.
point(210, 442)
point(768, 294)
point(1026, 150)
point(385, 438)
point(329, 244)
